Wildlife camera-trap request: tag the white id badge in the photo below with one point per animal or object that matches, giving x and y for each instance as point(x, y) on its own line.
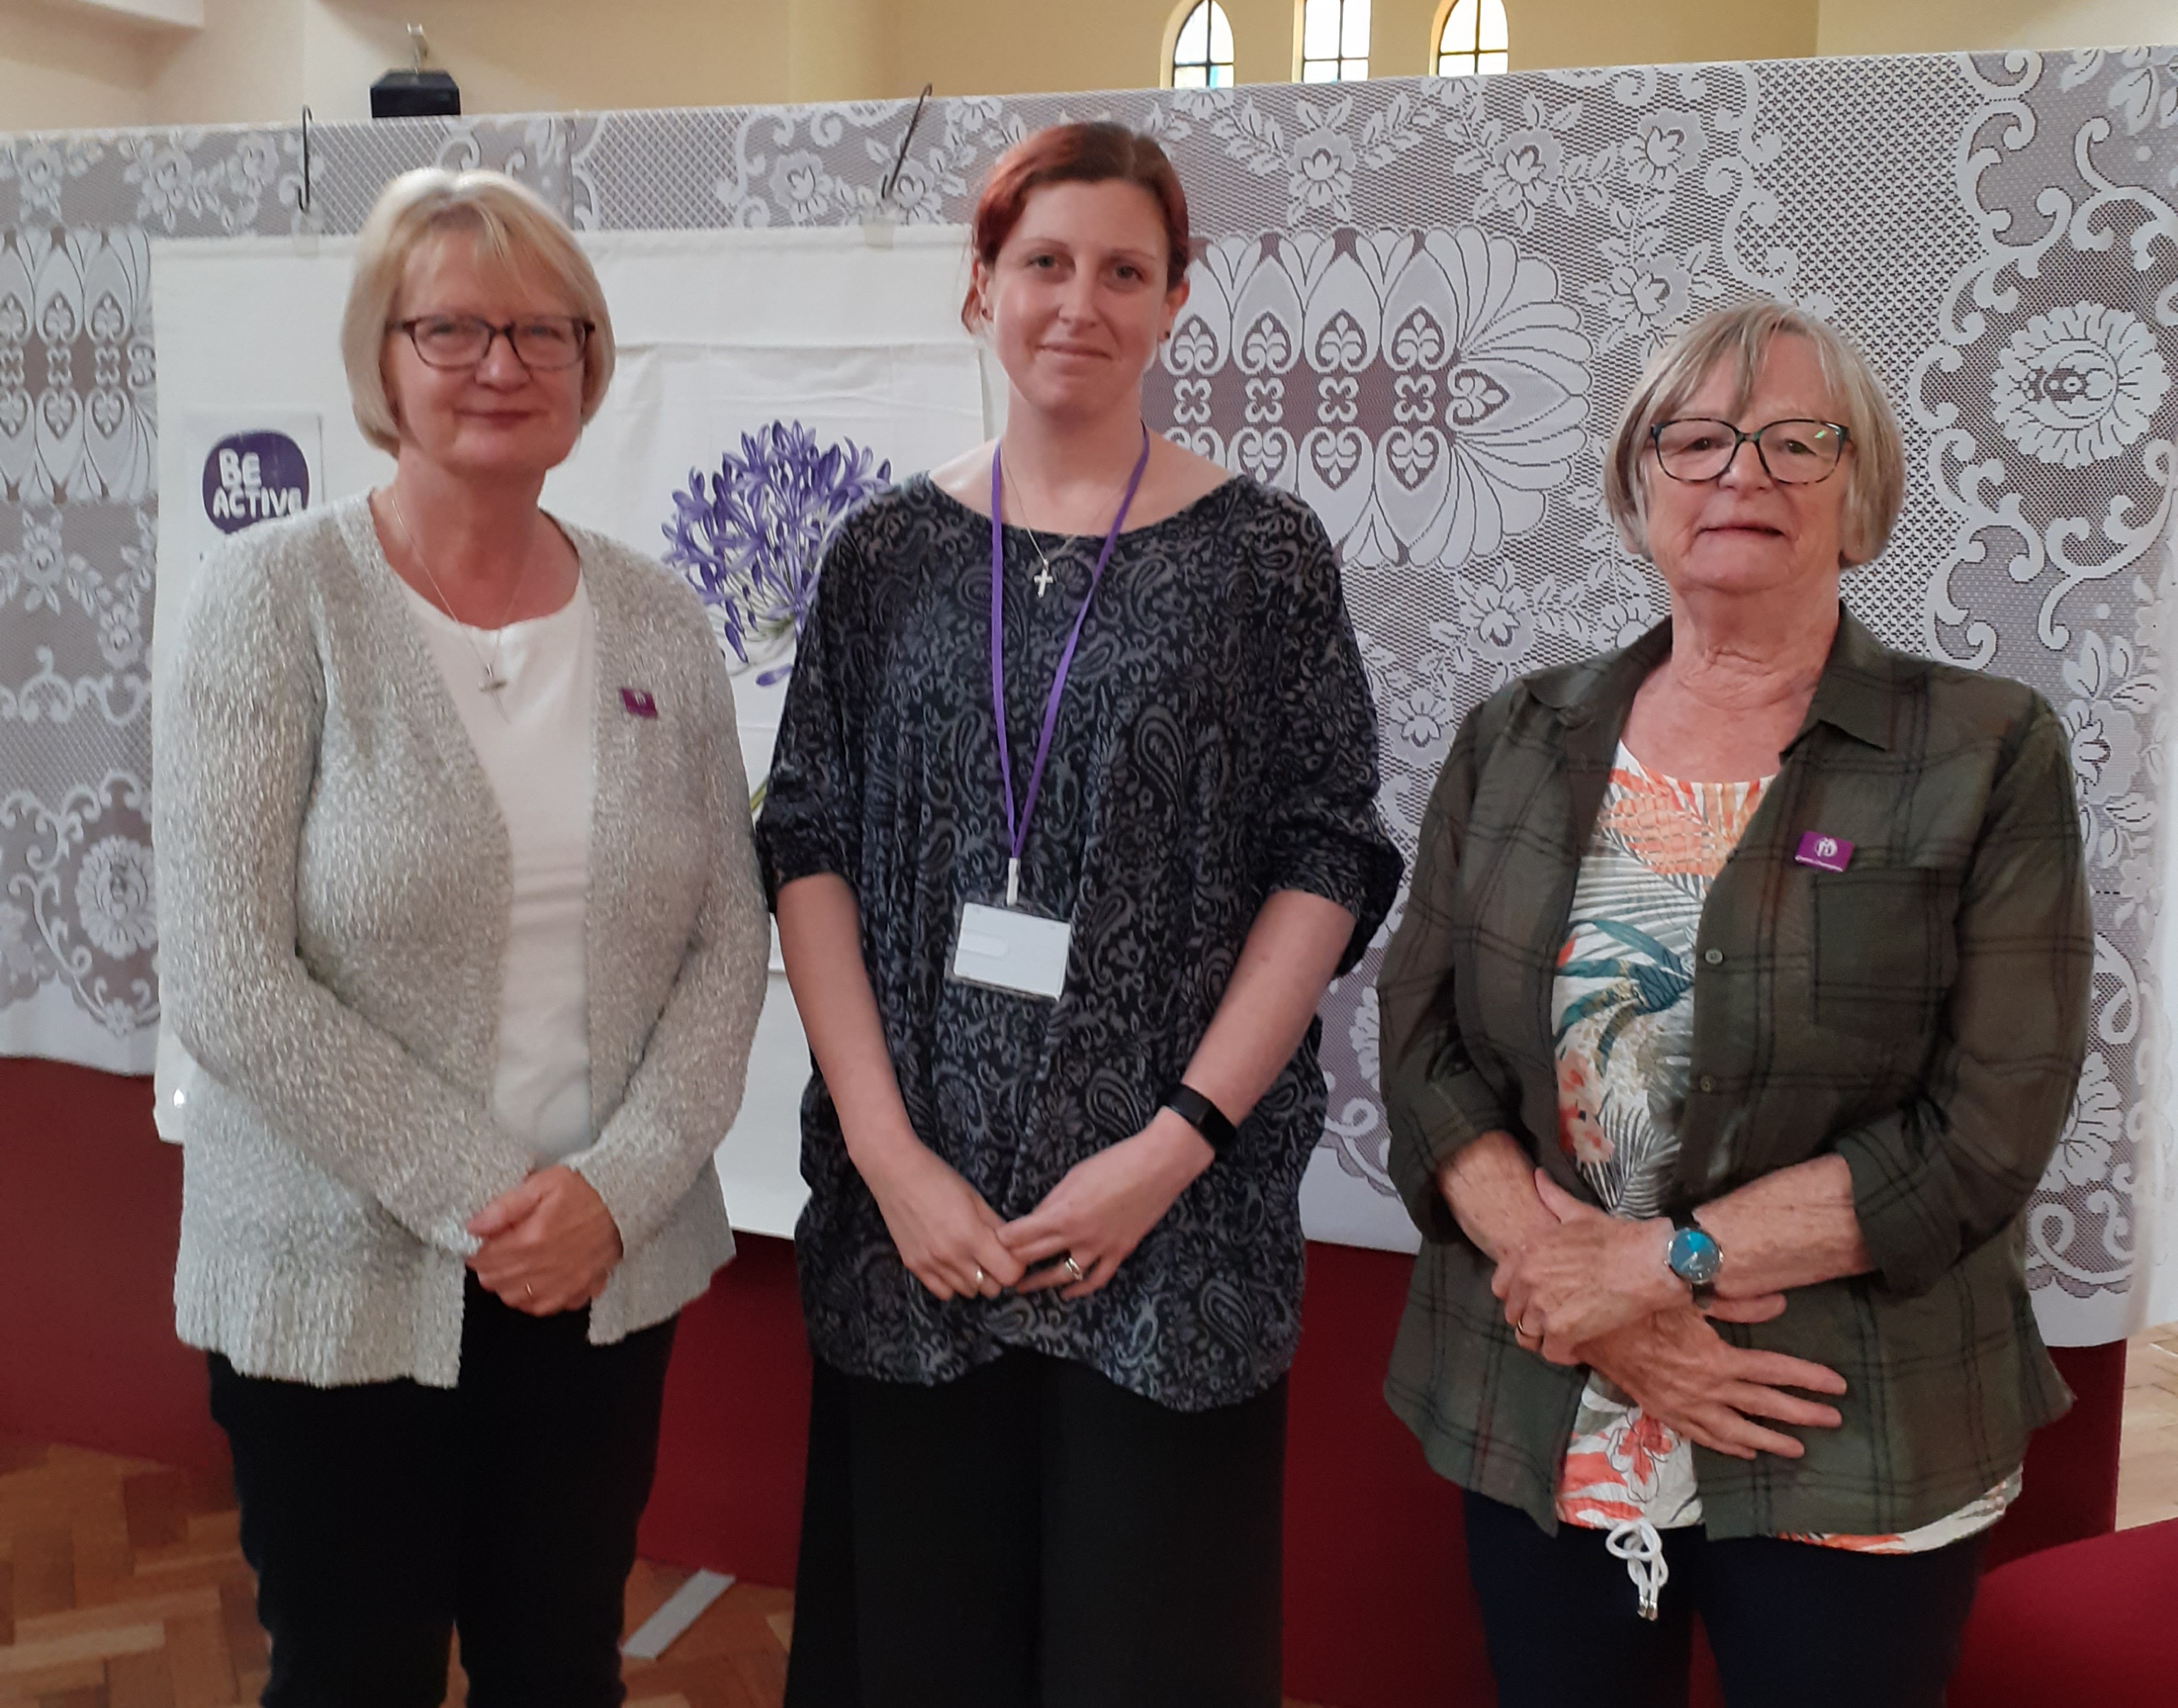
point(1010, 950)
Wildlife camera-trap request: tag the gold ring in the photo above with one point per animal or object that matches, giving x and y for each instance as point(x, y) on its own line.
point(527, 1291)
point(1073, 1269)
point(980, 1278)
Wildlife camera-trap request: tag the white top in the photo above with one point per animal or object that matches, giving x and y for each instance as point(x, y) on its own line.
point(533, 737)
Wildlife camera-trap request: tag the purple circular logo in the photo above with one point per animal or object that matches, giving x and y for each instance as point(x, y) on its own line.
point(251, 477)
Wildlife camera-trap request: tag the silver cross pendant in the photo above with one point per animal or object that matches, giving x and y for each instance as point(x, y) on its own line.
point(1044, 581)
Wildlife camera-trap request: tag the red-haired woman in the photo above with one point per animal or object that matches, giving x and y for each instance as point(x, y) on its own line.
point(1070, 822)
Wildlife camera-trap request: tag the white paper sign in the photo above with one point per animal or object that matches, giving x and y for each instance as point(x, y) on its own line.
point(249, 466)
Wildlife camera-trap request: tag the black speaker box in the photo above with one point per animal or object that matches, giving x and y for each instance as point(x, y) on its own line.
point(415, 95)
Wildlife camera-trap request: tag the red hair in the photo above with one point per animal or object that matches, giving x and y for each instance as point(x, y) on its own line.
point(1098, 152)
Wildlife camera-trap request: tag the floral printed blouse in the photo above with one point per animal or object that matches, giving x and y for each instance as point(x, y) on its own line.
point(1622, 1022)
point(1216, 742)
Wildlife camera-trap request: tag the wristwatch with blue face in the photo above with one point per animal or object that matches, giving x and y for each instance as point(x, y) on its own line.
point(1694, 1255)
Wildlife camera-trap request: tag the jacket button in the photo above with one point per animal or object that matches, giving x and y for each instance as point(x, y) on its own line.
point(1708, 1082)
point(1714, 957)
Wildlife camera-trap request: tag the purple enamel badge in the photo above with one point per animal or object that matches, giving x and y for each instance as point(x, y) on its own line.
point(639, 704)
point(1823, 853)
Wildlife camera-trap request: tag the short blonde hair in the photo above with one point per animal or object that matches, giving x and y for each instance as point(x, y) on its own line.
point(514, 230)
point(1874, 472)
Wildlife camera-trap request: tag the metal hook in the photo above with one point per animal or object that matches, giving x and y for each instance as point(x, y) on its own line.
point(419, 50)
point(303, 189)
point(899, 161)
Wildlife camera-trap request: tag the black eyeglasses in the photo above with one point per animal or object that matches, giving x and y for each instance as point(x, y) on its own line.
point(1793, 453)
point(543, 341)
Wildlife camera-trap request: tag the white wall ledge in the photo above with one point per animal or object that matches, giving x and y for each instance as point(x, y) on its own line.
point(135, 15)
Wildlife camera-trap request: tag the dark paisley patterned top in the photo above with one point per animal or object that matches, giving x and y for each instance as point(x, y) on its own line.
point(1216, 742)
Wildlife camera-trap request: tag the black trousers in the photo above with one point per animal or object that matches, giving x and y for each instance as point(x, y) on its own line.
point(1792, 1625)
point(1033, 1536)
point(380, 1519)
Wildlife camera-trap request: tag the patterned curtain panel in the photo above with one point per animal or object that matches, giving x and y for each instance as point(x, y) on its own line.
point(1421, 306)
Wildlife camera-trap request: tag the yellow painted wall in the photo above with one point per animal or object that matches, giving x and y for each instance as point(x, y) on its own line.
point(260, 60)
point(244, 66)
point(836, 50)
point(1399, 43)
point(1547, 33)
point(1929, 26)
point(60, 72)
point(1019, 46)
point(532, 55)
point(1030, 46)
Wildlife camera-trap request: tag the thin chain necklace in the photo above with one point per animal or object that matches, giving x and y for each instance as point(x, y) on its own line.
point(492, 681)
point(1043, 578)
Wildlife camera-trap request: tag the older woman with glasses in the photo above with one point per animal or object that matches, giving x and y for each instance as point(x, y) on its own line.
point(1737, 1009)
point(463, 927)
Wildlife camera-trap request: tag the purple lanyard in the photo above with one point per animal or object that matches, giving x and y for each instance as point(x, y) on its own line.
point(1017, 829)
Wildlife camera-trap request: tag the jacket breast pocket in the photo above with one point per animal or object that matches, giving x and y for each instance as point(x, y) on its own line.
point(1885, 945)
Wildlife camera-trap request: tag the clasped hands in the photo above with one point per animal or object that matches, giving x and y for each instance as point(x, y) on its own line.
point(550, 1245)
point(956, 1245)
point(1596, 1291)
point(1574, 1282)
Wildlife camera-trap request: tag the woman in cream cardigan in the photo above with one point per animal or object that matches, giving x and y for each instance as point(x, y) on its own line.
point(464, 930)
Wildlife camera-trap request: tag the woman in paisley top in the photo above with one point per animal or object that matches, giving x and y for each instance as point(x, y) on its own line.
point(1743, 982)
point(1059, 974)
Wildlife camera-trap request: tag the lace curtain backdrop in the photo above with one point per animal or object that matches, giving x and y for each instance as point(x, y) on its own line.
point(1421, 304)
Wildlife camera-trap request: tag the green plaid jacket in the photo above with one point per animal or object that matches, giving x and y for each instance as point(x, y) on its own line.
point(1922, 1014)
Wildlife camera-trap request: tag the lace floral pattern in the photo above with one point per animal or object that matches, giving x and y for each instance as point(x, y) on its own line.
point(1421, 304)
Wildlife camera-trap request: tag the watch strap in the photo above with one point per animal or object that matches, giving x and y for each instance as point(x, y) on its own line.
point(1201, 1113)
point(1683, 1222)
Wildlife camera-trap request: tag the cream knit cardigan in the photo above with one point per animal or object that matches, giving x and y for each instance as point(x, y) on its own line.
point(334, 883)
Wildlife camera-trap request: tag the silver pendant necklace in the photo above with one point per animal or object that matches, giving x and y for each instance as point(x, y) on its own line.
point(1043, 576)
point(491, 682)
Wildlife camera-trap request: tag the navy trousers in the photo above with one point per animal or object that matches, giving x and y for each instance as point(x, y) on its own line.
point(1792, 1625)
point(383, 1517)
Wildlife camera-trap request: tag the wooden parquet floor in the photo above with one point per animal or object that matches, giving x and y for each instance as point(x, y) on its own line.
point(2148, 1453)
point(122, 1585)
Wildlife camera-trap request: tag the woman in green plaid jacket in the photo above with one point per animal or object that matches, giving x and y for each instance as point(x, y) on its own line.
point(1738, 1003)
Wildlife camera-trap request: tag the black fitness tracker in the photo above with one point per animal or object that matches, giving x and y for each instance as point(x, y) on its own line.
point(1201, 1113)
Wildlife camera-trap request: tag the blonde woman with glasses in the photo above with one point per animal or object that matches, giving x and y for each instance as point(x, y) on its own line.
point(1744, 983)
point(462, 925)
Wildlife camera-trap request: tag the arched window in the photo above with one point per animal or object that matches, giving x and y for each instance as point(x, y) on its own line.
point(1334, 41)
point(1473, 39)
point(1202, 52)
